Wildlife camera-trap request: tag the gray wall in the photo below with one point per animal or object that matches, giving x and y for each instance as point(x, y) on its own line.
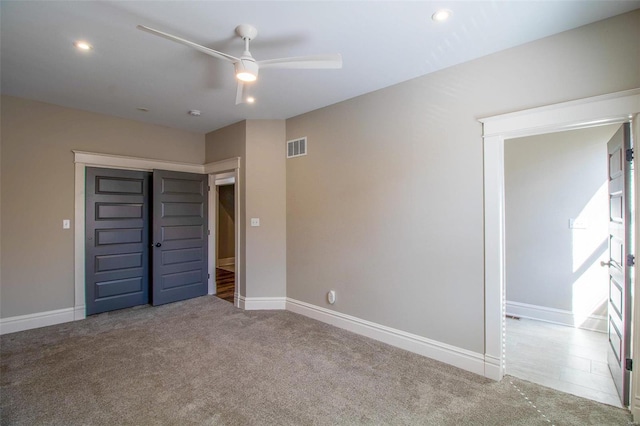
point(0, 209)
point(266, 199)
point(225, 231)
point(387, 207)
point(550, 179)
point(37, 139)
point(261, 146)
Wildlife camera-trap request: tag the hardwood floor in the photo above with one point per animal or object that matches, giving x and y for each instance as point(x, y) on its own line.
point(563, 358)
point(225, 284)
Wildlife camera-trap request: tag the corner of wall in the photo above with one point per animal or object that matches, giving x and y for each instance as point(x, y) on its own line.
point(265, 180)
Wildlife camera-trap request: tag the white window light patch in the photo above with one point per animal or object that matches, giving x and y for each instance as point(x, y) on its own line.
point(297, 147)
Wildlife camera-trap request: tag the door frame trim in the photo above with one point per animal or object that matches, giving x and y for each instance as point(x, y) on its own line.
point(213, 233)
point(599, 110)
point(83, 159)
point(214, 182)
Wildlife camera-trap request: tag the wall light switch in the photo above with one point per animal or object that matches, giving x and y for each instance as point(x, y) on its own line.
point(255, 221)
point(66, 224)
point(578, 224)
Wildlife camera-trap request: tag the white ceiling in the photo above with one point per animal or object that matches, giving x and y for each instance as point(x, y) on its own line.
point(382, 43)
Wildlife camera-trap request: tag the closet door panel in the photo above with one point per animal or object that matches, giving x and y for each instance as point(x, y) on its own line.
point(180, 229)
point(117, 239)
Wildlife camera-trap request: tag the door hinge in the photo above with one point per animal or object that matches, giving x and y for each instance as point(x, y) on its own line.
point(209, 232)
point(628, 364)
point(631, 260)
point(208, 275)
point(629, 154)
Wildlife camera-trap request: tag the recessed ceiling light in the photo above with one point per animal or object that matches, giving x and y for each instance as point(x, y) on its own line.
point(251, 99)
point(143, 109)
point(82, 45)
point(441, 15)
point(194, 112)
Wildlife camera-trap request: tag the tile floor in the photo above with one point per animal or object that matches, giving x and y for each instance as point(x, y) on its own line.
point(563, 358)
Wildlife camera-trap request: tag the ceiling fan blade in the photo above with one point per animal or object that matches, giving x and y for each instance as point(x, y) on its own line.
point(304, 62)
point(240, 93)
point(202, 49)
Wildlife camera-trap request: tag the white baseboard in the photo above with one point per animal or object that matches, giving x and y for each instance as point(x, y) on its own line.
point(226, 261)
point(262, 303)
point(458, 357)
point(492, 368)
point(40, 319)
point(556, 316)
point(79, 313)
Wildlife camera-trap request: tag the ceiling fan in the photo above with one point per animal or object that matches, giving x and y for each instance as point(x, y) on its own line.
point(246, 67)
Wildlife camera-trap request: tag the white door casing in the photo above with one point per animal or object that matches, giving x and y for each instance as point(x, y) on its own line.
point(612, 108)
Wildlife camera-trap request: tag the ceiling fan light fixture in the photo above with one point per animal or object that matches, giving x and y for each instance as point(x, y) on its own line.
point(247, 77)
point(246, 71)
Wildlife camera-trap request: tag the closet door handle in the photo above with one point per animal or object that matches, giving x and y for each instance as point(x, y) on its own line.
point(158, 244)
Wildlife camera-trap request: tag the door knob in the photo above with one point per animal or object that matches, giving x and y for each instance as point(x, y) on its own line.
point(603, 263)
point(158, 244)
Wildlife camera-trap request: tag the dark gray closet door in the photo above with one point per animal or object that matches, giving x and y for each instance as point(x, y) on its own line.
point(117, 239)
point(621, 262)
point(179, 236)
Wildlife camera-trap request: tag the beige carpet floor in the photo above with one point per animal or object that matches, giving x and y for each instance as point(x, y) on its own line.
point(204, 362)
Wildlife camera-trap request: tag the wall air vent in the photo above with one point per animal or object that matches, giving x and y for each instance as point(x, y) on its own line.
point(297, 147)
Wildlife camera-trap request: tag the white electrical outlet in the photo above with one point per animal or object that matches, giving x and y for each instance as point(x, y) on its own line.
point(255, 221)
point(331, 297)
point(66, 224)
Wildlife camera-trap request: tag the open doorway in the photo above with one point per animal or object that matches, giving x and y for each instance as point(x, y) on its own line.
point(225, 242)
point(620, 107)
point(556, 243)
point(225, 237)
